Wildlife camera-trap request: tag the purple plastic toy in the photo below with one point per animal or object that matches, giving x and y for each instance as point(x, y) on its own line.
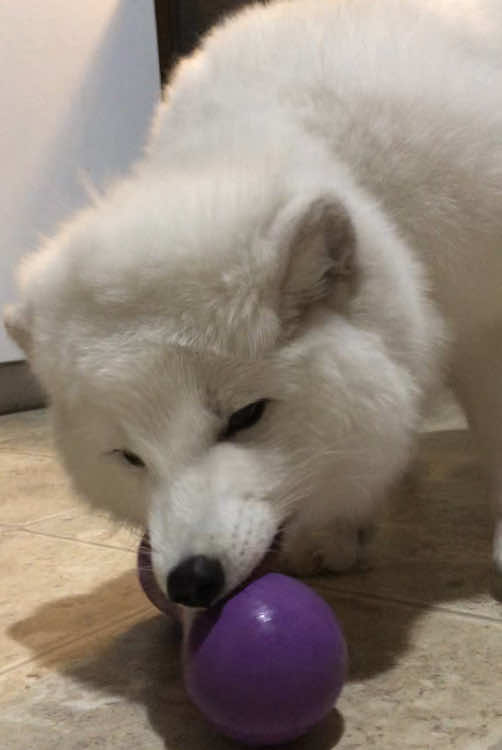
point(266, 664)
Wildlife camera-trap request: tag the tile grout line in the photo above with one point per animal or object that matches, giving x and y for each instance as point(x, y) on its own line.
point(73, 539)
point(411, 603)
point(26, 453)
point(24, 525)
point(70, 641)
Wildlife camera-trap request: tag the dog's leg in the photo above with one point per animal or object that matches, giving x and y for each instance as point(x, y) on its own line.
point(477, 379)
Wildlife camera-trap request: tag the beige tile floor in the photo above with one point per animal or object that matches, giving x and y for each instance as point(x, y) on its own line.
point(86, 662)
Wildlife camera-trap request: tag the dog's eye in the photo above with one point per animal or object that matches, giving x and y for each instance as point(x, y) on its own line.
point(130, 457)
point(246, 417)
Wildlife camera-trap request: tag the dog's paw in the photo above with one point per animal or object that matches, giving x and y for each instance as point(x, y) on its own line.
point(339, 547)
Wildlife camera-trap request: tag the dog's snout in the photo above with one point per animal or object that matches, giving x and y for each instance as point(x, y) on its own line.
point(196, 582)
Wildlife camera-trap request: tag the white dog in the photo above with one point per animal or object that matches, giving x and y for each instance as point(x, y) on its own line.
point(240, 336)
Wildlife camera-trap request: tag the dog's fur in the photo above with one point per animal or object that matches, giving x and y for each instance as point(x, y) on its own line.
point(317, 220)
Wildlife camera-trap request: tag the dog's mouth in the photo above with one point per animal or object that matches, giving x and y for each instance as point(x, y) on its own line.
point(268, 564)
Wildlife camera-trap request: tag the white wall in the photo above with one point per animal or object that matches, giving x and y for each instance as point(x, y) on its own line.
point(78, 82)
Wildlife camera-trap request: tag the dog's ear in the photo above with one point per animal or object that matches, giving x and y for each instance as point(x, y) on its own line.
point(321, 259)
point(17, 324)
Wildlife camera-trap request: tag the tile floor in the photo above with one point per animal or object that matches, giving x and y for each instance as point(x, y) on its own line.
point(86, 662)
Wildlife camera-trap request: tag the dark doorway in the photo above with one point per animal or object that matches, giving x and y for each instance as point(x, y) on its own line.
point(181, 23)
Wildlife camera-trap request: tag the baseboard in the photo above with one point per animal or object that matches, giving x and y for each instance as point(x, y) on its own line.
point(19, 390)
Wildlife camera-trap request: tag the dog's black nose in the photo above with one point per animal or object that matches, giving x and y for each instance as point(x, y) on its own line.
point(196, 582)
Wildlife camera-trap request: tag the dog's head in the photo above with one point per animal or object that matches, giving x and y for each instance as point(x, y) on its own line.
point(218, 349)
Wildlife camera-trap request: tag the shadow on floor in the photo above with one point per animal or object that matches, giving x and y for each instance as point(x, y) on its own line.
point(448, 560)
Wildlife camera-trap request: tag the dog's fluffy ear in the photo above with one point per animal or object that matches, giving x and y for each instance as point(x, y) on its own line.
point(321, 258)
point(17, 324)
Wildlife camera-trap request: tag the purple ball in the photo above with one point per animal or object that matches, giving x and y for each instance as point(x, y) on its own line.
point(268, 664)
